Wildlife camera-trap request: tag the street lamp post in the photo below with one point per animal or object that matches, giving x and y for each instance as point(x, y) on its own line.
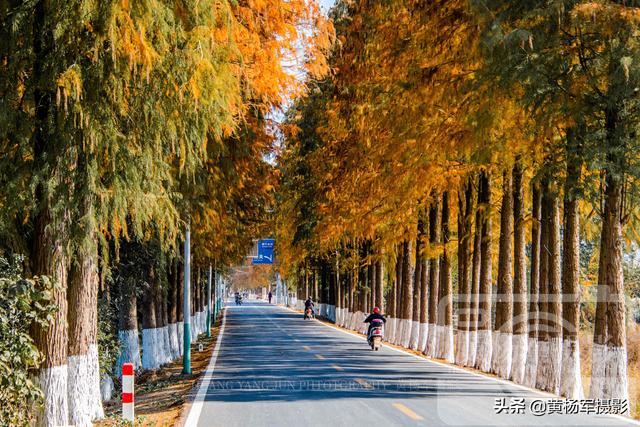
point(186, 356)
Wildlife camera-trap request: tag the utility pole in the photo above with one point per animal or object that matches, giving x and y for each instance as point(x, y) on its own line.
point(186, 357)
point(209, 301)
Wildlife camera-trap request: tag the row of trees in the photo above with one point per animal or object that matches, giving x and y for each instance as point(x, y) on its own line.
point(129, 122)
point(444, 122)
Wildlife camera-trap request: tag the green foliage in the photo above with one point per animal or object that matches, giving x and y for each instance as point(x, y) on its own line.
point(108, 344)
point(22, 303)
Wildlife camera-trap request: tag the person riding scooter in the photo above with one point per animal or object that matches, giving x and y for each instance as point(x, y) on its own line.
point(308, 304)
point(374, 320)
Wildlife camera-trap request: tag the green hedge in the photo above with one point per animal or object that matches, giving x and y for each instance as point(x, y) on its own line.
point(22, 303)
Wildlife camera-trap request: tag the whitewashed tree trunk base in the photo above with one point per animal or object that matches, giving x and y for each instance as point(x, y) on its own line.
point(519, 358)
point(501, 355)
point(555, 365)
point(462, 347)
point(389, 329)
point(106, 388)
point(544, 368)
point(616, 382)
point(151, 341)
point(397, 336)
point(423, 335)
point(166, 345)
point(362, 327)
point(173, 341)
point(598, 363)
point(129, 350)
point(415, 335)
point(406, 332)
point(484, 351)
point(473, 345)
point(571, 378)
point(53, 383)
point(85, 403)
point(445, 343)
point(432, 341)
point(194, 328)
point(531, 368)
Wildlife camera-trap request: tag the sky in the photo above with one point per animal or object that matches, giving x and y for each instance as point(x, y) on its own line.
point(326, 5)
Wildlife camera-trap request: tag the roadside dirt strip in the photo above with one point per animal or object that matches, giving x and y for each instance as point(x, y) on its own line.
point(164, 397)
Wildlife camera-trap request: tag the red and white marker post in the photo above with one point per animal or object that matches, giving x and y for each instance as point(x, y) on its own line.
point(127, 391)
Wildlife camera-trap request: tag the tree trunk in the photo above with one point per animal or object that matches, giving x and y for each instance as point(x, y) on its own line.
point(417, 296)
point(520, 338)
point(609, 370)
point(180, 306)
point(424, 304)
point(306, 280)
point(127, 322)
point(392, 303)
point(379, 302)
point(48, 257)
point(571, 379)
point(484, 345)
point(616, 351)
point(172, 319)
point(445, 304)
point(150, 339)
point(315, 285)
point(464, 272)
point(85, 403)
point(434, 277)
point(555, 301)
point(397, 332)
point(550, 346)
point(503, 329)
point(531, 369)
point(408, 272)
point(475, 289)
point(339, 293)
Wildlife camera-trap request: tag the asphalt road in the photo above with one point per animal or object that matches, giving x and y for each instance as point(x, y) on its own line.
point(276, 369)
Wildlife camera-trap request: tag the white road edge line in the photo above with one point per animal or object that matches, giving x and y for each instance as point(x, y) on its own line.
point(457, 368)
point(196, 406)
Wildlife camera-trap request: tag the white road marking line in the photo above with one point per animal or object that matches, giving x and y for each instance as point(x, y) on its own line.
point(196, 406)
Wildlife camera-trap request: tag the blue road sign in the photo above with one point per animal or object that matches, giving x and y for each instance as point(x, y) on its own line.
point(265, 252)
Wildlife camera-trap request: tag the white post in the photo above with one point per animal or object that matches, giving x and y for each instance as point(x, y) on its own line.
point(127, 392)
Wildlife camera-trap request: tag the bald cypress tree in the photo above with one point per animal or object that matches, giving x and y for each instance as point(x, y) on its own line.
point(503, 329)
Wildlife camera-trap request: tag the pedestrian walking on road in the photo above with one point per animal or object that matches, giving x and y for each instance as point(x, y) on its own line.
point(270, 296)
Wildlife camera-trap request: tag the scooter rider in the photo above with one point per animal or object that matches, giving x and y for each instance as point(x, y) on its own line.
point(309, 304)
point(371, 319)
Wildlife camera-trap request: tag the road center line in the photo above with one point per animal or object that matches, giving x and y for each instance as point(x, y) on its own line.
point(408, 412)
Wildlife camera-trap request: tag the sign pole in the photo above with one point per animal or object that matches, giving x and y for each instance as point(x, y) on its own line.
point(186, 357)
